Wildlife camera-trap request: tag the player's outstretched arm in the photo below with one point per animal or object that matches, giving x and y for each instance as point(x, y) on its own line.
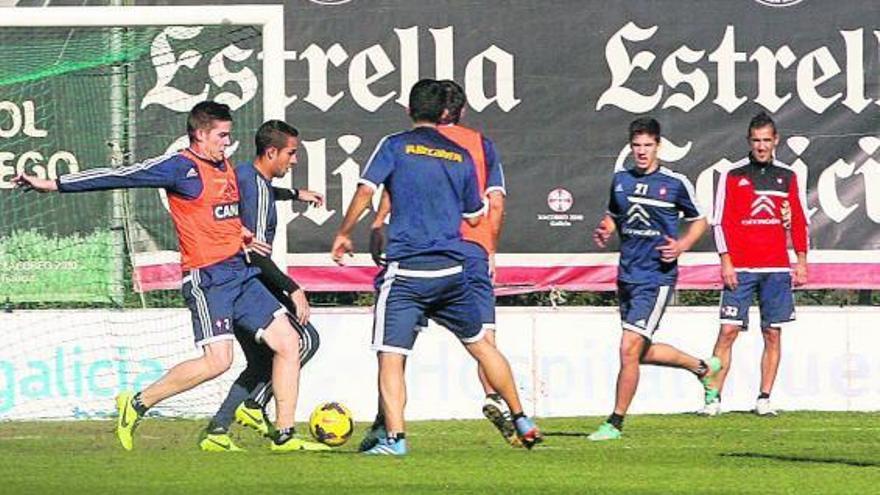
point(168, 172)
point(34, 183)
point(313, 198)
point(316, 199)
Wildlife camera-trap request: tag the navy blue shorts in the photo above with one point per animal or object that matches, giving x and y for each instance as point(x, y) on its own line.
point(775, 299)
point(407, 296)
point(642, 306)
point(476, 268)
point(225, 295)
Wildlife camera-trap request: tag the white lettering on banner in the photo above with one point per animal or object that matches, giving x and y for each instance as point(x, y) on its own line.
point(870, 172)
point(812, 70)
point(767, 62)
point(365, 69)
point(168, 63)
point(245, 79)
point(321, 62)
point(621, 67)
point(348, 172)
point(560, 369)
point(829, 199)
point(318, 70)
point(22, 120)
point(697, 80)
point(359, 79)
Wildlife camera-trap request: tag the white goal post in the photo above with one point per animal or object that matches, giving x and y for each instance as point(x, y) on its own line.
point(269, 19)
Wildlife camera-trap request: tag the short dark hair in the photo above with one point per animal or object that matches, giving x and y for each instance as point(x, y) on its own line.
point(204, 114)
point(427, 100)
point(455, 101)
point(761, 119)
point(644, 125)
point(273, 134)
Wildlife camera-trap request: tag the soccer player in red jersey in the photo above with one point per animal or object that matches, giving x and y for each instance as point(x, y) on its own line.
point(758, 204)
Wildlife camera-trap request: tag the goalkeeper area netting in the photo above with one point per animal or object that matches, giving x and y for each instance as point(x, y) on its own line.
point(77, 97)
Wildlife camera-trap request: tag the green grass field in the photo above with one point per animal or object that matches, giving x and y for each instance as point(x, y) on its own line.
point(735, 453)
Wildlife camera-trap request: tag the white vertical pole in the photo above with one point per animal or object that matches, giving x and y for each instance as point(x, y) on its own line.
point(118, 113)
point(273, 108)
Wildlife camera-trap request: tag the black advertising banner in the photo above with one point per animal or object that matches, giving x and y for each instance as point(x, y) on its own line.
point(555, 84)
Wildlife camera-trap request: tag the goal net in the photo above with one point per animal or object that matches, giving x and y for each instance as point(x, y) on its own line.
point(88, 87)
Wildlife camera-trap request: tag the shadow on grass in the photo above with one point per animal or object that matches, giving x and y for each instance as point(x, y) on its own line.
point(565, 434)
point(793, 458)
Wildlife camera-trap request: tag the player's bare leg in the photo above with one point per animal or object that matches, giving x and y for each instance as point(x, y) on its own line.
point(215, 360)
point(769, 368)
point(494, 407)
point(392, 391)
point(632, 347)
point(667, 355)
point(481, 373)
point(705, 371)
point(281, 338)
point(284, 342)
point(500, 377)
point(392, 401)
point(723, 351)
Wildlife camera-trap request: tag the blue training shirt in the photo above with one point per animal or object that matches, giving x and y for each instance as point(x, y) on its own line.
point(646, 208)
point(433, 185)
point(256, 202)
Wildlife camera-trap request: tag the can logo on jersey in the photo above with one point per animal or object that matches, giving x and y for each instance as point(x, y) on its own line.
point(560, 200)
point(226, 211)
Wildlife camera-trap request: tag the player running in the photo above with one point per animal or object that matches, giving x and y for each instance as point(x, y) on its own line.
point(644, 207)
point(219, 287)
point(276, 143)
point(432, 183)
point(757, 201)
point(479, 249)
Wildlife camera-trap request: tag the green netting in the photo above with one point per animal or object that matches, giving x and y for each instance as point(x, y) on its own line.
point(56, 116)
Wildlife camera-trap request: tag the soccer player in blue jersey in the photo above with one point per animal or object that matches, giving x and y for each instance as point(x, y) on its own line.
point(480, 246)
point(219, 287)
point(276, 145)
point(432, 183)
point(644, 207)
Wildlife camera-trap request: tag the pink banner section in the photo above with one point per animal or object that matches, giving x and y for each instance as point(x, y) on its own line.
point(517, 280)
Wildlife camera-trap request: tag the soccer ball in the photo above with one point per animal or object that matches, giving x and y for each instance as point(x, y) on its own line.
point(331, 424)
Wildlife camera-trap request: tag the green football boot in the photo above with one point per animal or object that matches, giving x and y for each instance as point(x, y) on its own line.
point(218, 442)
point(127, 419)
point(606, 431)
point(710, 392)
point(254, 418)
